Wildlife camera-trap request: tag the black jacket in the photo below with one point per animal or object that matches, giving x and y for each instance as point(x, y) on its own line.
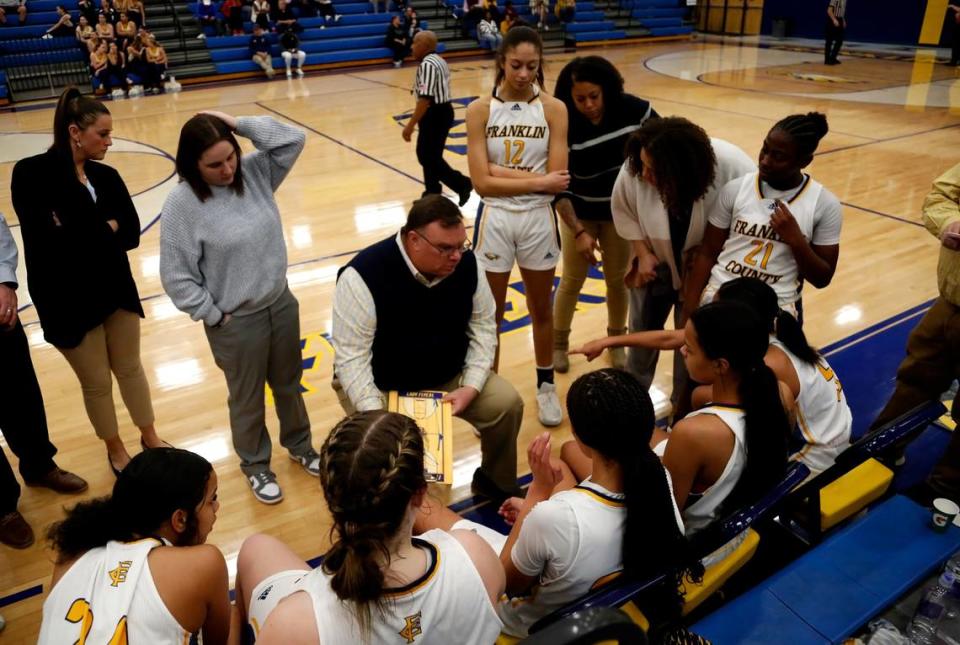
point(77, 267)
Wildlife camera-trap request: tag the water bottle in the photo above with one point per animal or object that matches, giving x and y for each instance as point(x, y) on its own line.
point(923, 628)
point(953, 565)
point(948, 631)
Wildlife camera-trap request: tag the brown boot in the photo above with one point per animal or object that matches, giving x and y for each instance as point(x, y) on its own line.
point(60, 481)
point(618, 355)
point(561, 345)
point(14, 531)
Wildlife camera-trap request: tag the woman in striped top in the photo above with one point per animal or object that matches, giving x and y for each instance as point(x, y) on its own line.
point(602, 116)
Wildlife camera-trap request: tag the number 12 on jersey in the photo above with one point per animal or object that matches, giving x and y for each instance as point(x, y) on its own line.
point(514, 152)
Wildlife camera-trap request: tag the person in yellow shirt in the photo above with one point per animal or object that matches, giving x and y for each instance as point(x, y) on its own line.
point(933, 348)
point(565, 10)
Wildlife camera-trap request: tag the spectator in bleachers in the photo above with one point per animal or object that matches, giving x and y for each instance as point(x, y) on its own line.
point(260, 13)
point(105, 30)
point(84, 31)
point(411, 22)
point(106, 9)
point(260, 50)
point(88, 10)
point(487, 32)
point(472, 13)
point(137, 13)
point(156, 66)
point(92, 44)
point(325, 10)
point(510, 17)
point(397, 40)
point(210, 22)
point(376, 6)
point(284, 19)
point(136, 66)
point(232, 10)
point(540, 9)
point(115, 81)
point(491, 6)
point(125, 31)
point(18, 7)
point(98, 68)
point(565, 10)
point(119, 6)
point(290, 43)
point(63, 28)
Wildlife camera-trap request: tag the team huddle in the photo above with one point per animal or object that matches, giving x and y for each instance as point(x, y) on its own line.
point(681, 221)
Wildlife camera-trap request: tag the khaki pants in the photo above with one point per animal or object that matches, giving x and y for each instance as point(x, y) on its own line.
point(616, 254)
point(496, 413)
point(932, 362)
point(114, 347)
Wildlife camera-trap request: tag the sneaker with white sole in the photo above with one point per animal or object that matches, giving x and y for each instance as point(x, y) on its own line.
point(300, 72)
point(548, 404)
point(310, 462)
point(265, 487)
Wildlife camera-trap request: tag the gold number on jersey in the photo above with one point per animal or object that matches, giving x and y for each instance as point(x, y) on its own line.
point(514, 154)
point(829, 375)
point(80, 612)
point(751, 257)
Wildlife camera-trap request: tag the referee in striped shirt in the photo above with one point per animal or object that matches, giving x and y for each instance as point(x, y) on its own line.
point(836, 26)
point(435, 115)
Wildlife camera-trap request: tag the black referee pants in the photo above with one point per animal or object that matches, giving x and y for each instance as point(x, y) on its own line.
point(22, 418)
point(434, 128)
point(834, 40)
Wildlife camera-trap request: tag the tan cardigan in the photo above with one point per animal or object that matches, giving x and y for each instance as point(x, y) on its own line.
point(638, 212)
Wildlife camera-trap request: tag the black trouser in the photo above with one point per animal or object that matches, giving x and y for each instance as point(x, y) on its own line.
point(955, 50)
point(434, 128)
point(22, 418)
point(834, 38)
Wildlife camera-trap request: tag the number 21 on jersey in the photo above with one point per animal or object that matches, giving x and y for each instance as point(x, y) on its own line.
point(81, 613)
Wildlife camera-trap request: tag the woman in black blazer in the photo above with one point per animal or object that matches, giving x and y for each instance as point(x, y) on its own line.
point(78, 222)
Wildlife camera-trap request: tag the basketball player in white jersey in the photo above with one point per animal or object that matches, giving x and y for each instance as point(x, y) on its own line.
point(133, 567)
point(377, 583)
point(779, 225)
point(821, 419)
point(517, 151)
point(568, 537)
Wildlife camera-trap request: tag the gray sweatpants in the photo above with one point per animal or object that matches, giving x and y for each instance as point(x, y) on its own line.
point(253, 350)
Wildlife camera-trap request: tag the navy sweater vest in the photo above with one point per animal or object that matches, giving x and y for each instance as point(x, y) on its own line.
point(421, 339)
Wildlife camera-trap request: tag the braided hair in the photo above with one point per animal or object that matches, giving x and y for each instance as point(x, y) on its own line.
point(806, 130)
point(684, 164)
point(759, 296)
point(612, 414)
point(371, 465)
point(732, 331)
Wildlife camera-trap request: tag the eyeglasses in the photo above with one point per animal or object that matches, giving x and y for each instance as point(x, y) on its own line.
point(445, 250)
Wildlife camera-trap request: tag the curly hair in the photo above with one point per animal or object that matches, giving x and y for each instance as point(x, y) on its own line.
point(684, 164)
point(590, 69)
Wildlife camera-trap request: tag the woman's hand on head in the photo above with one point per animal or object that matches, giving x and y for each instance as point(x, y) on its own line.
point(231, 121)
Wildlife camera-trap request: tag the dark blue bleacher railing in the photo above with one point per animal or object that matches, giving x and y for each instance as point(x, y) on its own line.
point(619, 592)
point(41, 66)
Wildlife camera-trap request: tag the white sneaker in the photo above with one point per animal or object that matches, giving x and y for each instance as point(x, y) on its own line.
point(548, 402)
point(310, 462)
point(397, 63)
point(265, 487)
point(300, 72)
point(289, 74)
point(201, 36)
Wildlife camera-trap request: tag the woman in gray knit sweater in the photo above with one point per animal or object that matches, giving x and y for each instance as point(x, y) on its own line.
point(223, 260)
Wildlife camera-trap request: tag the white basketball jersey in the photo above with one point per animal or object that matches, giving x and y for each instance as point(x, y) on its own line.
point(600, 517)
point(701, 512)
point(448, 604)
point(108, 596)
point(754, 250)
point(518, 137)
point(823, 416)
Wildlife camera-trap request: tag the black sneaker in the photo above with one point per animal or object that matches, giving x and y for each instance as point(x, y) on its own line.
point(483, 486)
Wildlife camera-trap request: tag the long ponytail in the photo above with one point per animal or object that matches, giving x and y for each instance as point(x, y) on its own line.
point(371, 465)
point(73, 108)
point(612, 414)
point(760, 297)
point(732, 331)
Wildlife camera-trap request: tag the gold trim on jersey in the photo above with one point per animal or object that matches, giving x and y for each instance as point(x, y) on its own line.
point(481, 222)
point(423, 580)
point(804, 430)
point(803, 188)
point(600, 497)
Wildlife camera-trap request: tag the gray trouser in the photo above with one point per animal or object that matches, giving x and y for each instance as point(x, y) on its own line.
point(649, 307)
point(253, 350)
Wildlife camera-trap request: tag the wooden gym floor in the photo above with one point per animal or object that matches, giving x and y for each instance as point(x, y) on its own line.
point(893, 124)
